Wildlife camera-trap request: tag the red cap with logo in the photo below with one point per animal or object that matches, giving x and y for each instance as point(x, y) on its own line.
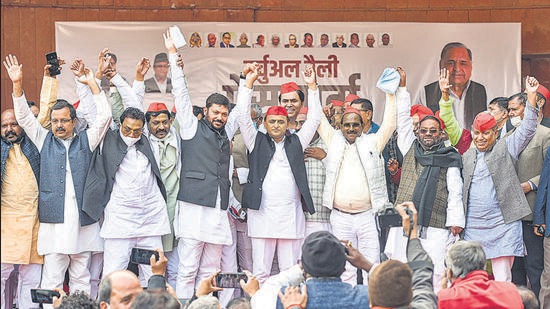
point(289, 87)
point(276, 111)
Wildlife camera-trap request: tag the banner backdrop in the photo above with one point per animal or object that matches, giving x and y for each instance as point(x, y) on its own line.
point(496, 55)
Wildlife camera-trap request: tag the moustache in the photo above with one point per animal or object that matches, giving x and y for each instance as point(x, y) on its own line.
point(60, 129)
point(218, 121)
point(10, 134)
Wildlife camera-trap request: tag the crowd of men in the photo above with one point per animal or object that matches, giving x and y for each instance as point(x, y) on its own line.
point(292, 195)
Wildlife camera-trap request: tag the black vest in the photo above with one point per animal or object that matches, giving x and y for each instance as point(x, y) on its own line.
point(103, 168)
point(475, 101)
point(205, 167)
point(259, 160)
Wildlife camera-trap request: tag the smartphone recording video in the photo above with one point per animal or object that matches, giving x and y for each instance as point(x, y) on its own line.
point(230, 280)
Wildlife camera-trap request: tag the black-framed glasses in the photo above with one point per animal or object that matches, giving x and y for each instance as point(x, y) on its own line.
point(424, 131)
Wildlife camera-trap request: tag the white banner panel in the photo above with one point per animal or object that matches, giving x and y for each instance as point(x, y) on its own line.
point(496, 50)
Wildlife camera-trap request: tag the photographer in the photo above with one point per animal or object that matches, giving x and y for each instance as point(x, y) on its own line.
point(394, 284)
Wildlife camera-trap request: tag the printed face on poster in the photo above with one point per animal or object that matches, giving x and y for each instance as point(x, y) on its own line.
point(415, 46)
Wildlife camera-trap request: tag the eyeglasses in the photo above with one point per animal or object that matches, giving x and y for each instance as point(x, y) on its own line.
point(424, 131)
point(165, 66)
point(62, 121)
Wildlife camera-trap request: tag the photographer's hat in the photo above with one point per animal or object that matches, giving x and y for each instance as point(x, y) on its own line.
point(323, 255)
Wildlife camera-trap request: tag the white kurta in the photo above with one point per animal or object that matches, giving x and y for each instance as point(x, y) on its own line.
point(136, 207)
point(69, 237)
point(280, 214)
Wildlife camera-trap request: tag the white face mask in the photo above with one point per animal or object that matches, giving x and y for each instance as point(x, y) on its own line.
point(516, 121)
point(129, 141)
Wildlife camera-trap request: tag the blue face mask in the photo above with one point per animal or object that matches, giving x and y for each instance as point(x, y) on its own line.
point(255, 126)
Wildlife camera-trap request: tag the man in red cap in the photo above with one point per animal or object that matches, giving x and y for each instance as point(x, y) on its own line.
point(492, 193)
point(431, 178)
point(355, 185)
point(529, 172)
point(165, 143)
point(292, 99)
point(277, 193)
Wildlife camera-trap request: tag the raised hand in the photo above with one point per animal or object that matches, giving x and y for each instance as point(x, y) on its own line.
point(77, 68)
point(531, 84)
point(294, 295)
point(309, 76)
point(251, 71)
point(444, 83)
point(101, 64)
point(168, 42)
point(15, 70)
point(403, 75)
point(141, 68)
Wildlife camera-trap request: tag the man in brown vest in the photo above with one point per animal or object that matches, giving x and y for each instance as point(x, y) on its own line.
point(431, 179)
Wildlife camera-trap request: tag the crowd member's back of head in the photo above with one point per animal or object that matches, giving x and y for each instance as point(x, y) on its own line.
point(528, 297)
point(155, 300)
point(464, 257)
point(205, 302)
point(78, 300)
point(390, 285)
point(239, 303)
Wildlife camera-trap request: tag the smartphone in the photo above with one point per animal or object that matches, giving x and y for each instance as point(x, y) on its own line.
point(143, 256)
point(230, 280)
point(41, 296)
point(51, 59)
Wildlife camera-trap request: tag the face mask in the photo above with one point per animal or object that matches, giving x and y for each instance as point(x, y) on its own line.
point(516, 121)
point(255, 126)
point(129, 141)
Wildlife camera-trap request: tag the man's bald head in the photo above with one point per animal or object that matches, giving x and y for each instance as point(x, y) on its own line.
point(11, 131)
point(118, 289)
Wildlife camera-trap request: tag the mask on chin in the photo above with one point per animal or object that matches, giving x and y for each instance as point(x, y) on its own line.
point(516, 121)
point(129, 141)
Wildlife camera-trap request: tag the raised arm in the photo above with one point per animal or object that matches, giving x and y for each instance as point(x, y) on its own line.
point(129, 97)
point(139, 86)
point(389, 122)
point(404, 124)
point(325, 130)
point(519, 139)
point(86, 109)
point(244, 97)
point(100, 124)
point(453, 129)
point(187, 121)
point(48, 95)
point(314, 111)
point(23, 113)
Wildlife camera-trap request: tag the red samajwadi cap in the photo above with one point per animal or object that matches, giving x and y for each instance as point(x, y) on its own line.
point(303, 110)
point(289, 87)
point(421, 110)
point(350, 97)
point(484, 121)
point(337, 103)
point(157, 107)
point(174, 109)
point(544, 91)
point(276, 111)
point(351, 110)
